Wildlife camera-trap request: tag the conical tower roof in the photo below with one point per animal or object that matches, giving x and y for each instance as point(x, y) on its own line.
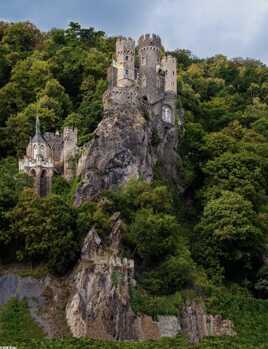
point(38, 138)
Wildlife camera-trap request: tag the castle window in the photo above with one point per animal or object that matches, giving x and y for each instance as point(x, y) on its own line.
point(167, 114)
point(143, 82)
point(143, 60)
point(34, 151)
point(126, 58)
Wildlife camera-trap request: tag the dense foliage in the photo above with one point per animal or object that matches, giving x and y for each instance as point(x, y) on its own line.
point(214, 233)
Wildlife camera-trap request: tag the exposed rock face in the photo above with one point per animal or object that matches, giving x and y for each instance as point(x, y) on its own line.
point(99, 306)
point(94, 301)
point(128, 143)
point(197, 324)
point(45, 298)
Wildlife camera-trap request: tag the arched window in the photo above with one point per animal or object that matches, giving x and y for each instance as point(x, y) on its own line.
point(143, 60)
point(143, 82)
point(42, 150)
point(167, 114)
point(34, 151)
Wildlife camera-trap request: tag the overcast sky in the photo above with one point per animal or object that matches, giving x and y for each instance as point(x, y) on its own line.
point(206, 27)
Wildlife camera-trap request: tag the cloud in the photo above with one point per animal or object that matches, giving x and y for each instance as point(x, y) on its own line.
point(207, 27)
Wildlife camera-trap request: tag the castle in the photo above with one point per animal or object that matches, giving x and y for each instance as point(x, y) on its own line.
point(48, 154)
point(147, 79)
point(153, 73)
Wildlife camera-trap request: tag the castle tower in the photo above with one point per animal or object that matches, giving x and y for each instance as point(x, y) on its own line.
point(149, 61)
point(125, 61)
point(69, 152)
point(169, 66)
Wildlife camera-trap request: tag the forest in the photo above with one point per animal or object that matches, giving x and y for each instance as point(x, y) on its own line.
point(209, 242)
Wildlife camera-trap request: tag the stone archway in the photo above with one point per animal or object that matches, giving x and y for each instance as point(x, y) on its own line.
point(32, 173)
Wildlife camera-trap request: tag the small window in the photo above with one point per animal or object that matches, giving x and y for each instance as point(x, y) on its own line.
point(143, 60)
point(126, 72)
point(126, 58)
point(143, 82)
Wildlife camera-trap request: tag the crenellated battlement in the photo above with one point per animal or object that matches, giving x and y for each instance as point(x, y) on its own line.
point(169, 60)
point(124, 45)
point(148, 40)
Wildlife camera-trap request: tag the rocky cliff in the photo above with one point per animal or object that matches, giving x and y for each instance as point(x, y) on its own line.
point(99, 306)
point(130, 142)
point(94, 301)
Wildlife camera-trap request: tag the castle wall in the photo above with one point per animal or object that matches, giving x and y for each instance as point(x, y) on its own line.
point(121, 96)
point(55, 142)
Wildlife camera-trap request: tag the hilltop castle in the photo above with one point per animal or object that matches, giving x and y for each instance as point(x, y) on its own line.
point(153, 73)
point(147, 82)
point(48, 154)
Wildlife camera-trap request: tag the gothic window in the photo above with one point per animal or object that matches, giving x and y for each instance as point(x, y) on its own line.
point(143, 60)
point(167, 114)
point(34, 151)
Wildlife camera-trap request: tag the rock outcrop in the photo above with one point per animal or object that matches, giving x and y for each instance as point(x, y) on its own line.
point(196, 324)
point(129, 142)
point(99, 306)
point(45, 299)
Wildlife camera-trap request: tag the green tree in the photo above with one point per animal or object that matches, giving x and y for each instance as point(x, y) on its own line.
point(45, 237)
point(229, 234)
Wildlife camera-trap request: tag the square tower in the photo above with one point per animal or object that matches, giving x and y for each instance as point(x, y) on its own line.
point(125, 61)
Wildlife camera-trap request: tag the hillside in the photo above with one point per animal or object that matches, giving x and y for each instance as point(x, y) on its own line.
point(199, 234)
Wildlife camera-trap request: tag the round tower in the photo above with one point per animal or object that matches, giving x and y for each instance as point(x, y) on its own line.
point(125, 61)
point(149, 61)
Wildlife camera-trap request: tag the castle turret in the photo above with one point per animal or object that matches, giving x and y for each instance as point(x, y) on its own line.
point(149, 60)
point(69, 152)
point(125, 61)
point(169, 66)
